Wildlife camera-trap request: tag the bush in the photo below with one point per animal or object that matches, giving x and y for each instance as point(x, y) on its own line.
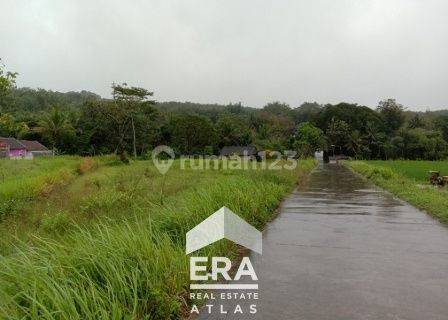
point(86, 165)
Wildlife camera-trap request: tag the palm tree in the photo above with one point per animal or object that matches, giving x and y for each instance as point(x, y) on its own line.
point(54, 126)
point(354, 142)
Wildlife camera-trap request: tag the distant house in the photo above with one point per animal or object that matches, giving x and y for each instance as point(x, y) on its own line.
point(35, 149)
point(12, 148)
point(249, 152)
point(20, 149)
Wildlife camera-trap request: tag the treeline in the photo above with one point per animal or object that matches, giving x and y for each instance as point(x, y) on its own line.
point(131, 123)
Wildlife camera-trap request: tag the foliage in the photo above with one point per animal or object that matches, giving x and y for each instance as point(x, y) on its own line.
point(191, 133)
point(232, 130)
point(392, 114)
point(441, 123)
point(308, 139)
point(306, 112)
point(55, 127)
point(133, 267)
point(132, 123)
point(337, 133)
point(7, 84)
point(9, 127)
point(278, 108)
point(416, 122)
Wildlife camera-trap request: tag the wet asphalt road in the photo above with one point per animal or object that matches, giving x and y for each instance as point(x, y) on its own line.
point(341, 249)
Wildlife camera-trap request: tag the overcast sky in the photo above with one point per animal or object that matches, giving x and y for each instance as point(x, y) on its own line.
point(249, 51)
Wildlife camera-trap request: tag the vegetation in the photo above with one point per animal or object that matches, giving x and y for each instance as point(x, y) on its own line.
point(88, 236)
point(409, 181)
point(83, 123)
point(22, 182)
point(417, 170)
point(130, 263)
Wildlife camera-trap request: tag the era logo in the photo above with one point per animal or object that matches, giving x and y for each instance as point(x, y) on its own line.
point(220, 266)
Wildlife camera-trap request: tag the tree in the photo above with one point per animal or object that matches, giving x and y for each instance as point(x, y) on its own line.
point(191, 133)
point(10, 128)
point(338, 133)
point(7, 84)
point(354, 143)
point(392, 114)
point(354, 115)
point(416, 122)
point(278, 108)
point(308, 139)
point(233, 130)
point(442, 124)
point(398, 146)
point(54, 127)
point(374, 140)
point(421, 144)
point(129, 105)
point(131, 100)
point(306, 112)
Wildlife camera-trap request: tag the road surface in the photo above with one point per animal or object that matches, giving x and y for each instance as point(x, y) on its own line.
point(341, 249)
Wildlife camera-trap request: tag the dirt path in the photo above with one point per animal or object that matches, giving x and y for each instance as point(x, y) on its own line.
point(341, 249)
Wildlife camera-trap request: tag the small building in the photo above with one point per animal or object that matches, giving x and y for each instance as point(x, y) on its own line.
point(35, 149)
point(11, 148)
point(247, 152)
point(22, 149)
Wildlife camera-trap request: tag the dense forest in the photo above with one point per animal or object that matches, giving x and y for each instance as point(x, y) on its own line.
point(131, 123)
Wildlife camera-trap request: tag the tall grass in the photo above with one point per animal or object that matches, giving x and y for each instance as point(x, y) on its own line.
point(22, 181)
point(134, 268)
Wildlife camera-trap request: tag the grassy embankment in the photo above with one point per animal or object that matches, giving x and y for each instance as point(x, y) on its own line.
point(101, 243)
point(409, 180)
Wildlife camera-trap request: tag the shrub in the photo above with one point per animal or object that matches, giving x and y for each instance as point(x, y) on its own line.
point(86, 165)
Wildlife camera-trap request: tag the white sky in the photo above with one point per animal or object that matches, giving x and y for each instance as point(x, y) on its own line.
point(249, 51)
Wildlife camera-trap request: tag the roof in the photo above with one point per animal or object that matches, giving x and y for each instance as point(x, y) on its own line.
point(13, 144)
point(238, 150)
point(33, 145)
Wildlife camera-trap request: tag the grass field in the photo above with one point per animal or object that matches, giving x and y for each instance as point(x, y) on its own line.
point(95, 239)
point(417, 170)
point(409, 180)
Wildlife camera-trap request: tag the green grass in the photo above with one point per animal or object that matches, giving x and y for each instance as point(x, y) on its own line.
point(417, 170)
point(22, 181)
point(107, 247)
point(409, 181)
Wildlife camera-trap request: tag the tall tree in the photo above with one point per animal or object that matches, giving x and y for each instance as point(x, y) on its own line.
point(392, 114)
point(354, 143)
point(131, 100)
point(338, 133)
point(308, 139)
point(7, 83)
